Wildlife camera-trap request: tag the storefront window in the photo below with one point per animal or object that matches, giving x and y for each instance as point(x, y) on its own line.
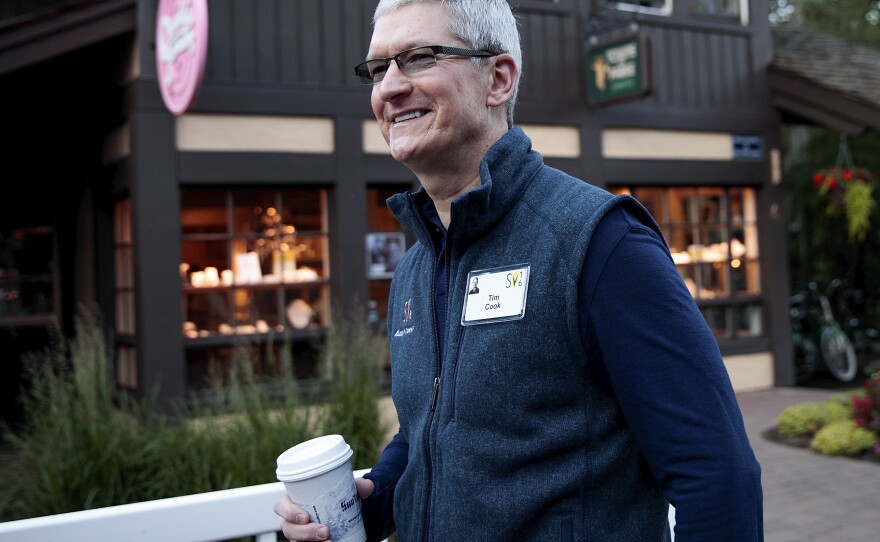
point(255, 270)
point(385, 245)
point(712, 233)
point(27, 276)
point(126, 358)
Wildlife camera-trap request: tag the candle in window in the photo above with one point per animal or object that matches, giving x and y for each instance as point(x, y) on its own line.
point(276, 263)
point(226, 277)
point(289, 262)
point(212, 277)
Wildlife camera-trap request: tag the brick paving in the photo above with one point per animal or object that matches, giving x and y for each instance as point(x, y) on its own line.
point(807, 496)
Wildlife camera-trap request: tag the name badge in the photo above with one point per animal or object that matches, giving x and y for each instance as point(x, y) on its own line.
point(496, 295)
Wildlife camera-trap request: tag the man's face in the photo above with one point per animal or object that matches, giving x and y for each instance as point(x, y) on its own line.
point(428, 118)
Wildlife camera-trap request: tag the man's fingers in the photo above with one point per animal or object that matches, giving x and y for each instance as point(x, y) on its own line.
point(364, 487)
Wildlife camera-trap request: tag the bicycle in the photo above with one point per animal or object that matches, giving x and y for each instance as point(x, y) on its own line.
point(818, 338)
point(836, 347)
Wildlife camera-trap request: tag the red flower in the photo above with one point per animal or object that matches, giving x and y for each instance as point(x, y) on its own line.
point(847, 175)
point(832, 183)
point(818, 179)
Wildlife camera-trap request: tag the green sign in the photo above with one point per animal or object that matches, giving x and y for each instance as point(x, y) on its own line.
point(617, 71)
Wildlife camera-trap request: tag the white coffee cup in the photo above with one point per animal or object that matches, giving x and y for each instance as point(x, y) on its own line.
point(318, 476)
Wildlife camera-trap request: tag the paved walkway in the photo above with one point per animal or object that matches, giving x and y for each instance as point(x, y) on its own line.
point(809, 497)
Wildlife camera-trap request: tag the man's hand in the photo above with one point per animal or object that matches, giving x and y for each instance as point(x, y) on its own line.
point(295, 523)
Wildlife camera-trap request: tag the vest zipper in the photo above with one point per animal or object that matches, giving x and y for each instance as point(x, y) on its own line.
point(434, 393)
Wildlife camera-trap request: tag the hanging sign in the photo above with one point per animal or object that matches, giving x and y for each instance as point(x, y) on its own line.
point(181, 50)
point(617, 71)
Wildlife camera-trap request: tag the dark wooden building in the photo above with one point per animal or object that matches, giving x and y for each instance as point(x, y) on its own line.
point(259, 212)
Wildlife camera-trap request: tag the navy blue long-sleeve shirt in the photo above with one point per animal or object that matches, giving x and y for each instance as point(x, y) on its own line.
point(649, 343)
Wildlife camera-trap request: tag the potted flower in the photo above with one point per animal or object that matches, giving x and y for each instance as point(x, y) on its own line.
point(850, 190)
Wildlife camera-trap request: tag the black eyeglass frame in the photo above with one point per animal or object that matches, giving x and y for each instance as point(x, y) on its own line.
point(362, 70)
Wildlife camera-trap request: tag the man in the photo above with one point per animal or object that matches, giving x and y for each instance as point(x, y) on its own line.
point(582, 390)
point(475, 288)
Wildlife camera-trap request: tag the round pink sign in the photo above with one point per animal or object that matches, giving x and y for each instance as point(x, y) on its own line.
point(181, 49)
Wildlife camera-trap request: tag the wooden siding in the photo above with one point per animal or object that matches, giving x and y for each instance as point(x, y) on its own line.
point(314, 44)
point(702, 68)
point(302, 43)
point(552, 54)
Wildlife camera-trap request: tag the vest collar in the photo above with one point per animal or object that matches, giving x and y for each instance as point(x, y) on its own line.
point(505, 173)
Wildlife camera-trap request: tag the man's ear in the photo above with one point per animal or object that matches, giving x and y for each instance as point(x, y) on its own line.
point(504, 78)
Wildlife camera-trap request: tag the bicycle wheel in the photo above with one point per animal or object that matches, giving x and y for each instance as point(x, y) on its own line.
point(838, 353)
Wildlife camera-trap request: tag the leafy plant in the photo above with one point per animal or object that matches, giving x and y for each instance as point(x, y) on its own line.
point(805, 419)
point(850, 190)
point(843, 438)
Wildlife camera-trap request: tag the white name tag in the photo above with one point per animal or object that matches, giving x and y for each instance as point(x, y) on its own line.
point(496, 295)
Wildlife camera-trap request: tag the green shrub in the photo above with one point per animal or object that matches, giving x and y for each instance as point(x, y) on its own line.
point(85, 445)
point(804, 419)
point(843, 438)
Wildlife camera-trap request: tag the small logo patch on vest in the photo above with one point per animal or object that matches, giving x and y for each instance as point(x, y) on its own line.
point(407, 318)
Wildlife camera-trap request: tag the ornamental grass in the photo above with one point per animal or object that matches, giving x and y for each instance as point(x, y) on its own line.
point(87, 445)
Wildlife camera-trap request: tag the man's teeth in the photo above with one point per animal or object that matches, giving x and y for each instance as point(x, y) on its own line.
point(413, 115)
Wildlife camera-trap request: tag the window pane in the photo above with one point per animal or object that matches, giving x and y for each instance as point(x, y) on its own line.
point(203, 211)
point(207, 313)
point(256, 311)
point(123, 269)
point(305, 307)
point(255, 211)
point(715, 7)
point(204, 263)
point(650, 6)
point(749, 322)
point(745, 277)
point(303, 208)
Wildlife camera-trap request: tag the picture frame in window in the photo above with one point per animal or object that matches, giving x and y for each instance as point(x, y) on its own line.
point(384, 251)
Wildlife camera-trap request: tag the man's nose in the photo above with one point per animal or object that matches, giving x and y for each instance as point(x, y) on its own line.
point(395, 82)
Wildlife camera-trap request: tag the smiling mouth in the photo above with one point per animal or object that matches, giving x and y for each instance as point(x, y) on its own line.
point(408, 116)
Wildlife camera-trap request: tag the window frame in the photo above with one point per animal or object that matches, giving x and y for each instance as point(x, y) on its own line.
point(633, 7)
point(735, 303)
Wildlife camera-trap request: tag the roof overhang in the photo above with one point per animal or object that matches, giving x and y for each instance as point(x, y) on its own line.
point(828, 107)
point(822, 79)
point(34, 41)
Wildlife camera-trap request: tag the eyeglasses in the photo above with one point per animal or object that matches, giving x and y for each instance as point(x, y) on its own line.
point(411, 61)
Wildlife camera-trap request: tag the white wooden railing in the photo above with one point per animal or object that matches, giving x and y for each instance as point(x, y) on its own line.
point(204, 517)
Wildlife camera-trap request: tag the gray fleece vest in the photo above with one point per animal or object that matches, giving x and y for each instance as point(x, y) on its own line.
point(511, 437)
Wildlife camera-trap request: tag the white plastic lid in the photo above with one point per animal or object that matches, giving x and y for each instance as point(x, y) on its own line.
point(312, 458)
